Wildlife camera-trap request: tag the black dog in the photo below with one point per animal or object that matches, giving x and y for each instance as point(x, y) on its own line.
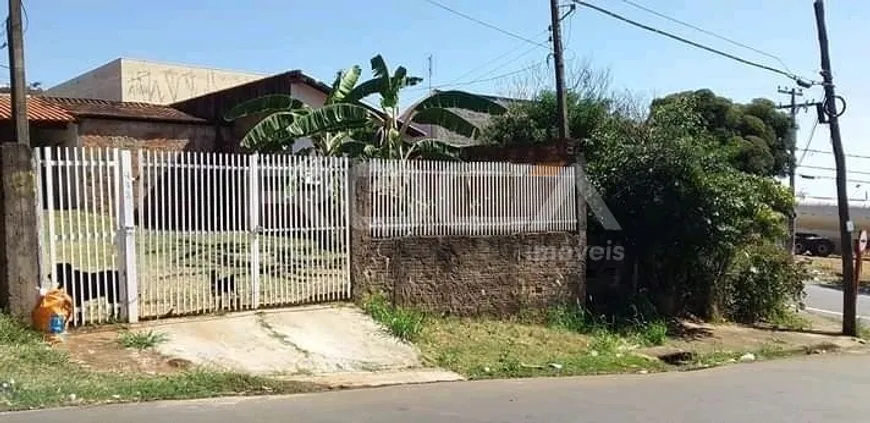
point(86, 286)
point(223, 288)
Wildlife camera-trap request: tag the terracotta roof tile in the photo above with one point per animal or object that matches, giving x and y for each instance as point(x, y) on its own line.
point(85, 107)
point(37, 110)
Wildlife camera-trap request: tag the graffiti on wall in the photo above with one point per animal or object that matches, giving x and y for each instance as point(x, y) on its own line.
point(166, 86)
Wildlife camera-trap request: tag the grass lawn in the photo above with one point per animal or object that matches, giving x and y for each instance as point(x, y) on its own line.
point(564, 344)
point(36, 375)
point(481, 349)
point(831, 268)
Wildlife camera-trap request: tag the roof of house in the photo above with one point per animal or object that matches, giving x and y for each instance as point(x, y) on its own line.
point(60, 109)
point(37, 110)
point(214, 105)
point(93, 108)
point(479, 120)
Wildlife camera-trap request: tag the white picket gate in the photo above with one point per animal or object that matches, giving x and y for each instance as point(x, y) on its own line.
point(189, 233)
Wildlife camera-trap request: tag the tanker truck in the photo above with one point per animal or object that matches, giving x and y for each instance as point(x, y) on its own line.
point(818, 224)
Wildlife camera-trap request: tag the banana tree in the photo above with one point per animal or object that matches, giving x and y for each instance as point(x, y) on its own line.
point(344, 126)
point(391, 139)
point(286, 119)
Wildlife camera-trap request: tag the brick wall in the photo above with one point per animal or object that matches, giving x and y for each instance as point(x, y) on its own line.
point(135, 135)
point(463, 275)
point(153, 135)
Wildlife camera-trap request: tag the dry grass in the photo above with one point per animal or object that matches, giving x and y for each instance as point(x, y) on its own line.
point(831, 268)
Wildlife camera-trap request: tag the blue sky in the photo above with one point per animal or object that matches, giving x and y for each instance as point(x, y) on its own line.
point(65, 38)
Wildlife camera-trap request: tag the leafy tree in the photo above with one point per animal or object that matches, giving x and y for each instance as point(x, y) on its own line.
point(755, 134)
point(533, 122)
point(345, 126)
point(31, 88)
point(687, 214)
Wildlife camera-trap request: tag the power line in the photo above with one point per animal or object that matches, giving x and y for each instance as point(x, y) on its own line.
point(497, 59)
point(488, 25)
point(514, 59)
point(477, 81)
point(809, 141)
point(856, 156)
point(857, 172)
point(23, 30)
point(702, 30)
point(692, 43)
point(856, 181)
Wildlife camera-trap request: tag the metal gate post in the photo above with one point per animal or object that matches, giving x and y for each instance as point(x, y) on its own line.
point(254, 228)
point(126, 238)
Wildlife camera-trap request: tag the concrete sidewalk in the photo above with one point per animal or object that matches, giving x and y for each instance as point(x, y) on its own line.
point(334, 345)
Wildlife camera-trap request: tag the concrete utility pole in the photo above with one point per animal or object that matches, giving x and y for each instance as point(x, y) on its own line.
point(850, 290)
point(792, 135)
point(561, 103)
point(15, 43)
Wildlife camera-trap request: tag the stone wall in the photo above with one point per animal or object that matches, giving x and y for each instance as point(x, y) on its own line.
point(464, 275)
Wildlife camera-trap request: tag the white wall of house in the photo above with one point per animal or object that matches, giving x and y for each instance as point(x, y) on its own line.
point(102, 83)
point(149, 82)
point(313, 98)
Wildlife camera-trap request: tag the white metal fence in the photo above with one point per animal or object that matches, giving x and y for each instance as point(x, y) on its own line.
point(78, 212)
point(157, 233)
point(428, 198)
point(190, 233)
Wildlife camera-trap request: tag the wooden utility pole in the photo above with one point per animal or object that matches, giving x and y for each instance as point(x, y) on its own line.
point(792, 141)
point(15, 43)
point(561, 103)
point(850, 291)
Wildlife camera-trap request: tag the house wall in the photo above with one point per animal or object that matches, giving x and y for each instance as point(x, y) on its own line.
point(65, 135)
point(151, 135)
point(139, 136)
point(42, 133)
point(148, 82)
point(303, 92)
point(162, 83)
point(102, 83)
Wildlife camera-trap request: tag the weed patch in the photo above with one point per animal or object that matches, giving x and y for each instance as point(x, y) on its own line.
point(141, 340)
point(403, 323)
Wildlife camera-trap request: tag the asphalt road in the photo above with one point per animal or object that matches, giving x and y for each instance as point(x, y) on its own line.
point(829, 301)
point(831, 389)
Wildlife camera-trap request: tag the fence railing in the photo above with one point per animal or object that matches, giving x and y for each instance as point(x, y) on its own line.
point(154, 234)
point(430, 198)
point(78, 208)
point(162, 233)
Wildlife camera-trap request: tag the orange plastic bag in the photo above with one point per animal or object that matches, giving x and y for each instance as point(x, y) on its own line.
point(55, 304)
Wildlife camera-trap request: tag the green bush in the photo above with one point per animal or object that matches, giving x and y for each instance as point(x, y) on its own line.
point(762, 283)
point(685, 211)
